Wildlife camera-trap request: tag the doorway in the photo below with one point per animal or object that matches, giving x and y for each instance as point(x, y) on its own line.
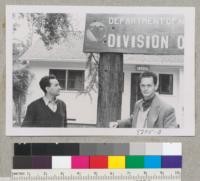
point(135, 90)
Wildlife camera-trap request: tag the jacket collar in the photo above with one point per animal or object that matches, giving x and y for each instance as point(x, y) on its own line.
point(152, 115)
point(153, 112)
point(47, 101)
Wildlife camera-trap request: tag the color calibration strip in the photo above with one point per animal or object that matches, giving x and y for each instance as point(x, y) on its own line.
point(94, 162)
point(97, 156)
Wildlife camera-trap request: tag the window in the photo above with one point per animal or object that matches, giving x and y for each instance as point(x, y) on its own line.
point(165, 83)
point(75, 80)
point(60, 75)
point(69, 79)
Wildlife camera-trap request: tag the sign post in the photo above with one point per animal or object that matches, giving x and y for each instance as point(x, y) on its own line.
point(110, 88)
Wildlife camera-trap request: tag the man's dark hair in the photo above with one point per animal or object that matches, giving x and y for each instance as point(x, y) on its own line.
point(45, 82)
point(149, 74)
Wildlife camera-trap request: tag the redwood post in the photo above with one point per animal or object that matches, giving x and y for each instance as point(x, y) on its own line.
point(110, 88)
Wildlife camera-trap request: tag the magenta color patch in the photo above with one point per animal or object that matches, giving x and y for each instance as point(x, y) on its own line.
point(80, 161)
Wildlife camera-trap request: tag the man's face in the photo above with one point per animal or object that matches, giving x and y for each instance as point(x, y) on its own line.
point(147, 87)
point(54, 88)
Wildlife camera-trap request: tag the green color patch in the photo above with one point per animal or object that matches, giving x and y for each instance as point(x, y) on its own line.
point(134, 161)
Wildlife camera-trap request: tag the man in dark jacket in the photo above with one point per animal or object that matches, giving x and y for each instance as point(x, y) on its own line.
point(47, 111)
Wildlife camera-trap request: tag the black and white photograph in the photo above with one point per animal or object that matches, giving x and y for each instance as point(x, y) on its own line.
point(100, 71)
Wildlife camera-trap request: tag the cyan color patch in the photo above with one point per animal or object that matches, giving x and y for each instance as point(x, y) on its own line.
point(152, 162)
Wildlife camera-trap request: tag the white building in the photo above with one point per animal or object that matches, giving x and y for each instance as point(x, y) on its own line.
point(68, 62)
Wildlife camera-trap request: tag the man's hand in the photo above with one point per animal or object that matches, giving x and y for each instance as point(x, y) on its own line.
point(113, 124)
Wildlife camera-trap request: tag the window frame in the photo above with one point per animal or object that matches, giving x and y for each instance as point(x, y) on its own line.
point(67, 77)
point(171, 82)
point(58, 78)
point(82, 84)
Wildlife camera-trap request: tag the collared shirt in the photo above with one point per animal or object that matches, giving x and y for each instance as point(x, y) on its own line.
point(147, 103)
point(142, 118)
point(51, 104)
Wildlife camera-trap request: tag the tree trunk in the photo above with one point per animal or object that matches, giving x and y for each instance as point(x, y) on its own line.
point(19, 112)
point(110, 88)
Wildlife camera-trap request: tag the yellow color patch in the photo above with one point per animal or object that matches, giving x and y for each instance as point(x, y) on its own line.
point(116, 162)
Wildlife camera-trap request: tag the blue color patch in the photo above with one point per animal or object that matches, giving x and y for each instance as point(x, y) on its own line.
point(152, 162)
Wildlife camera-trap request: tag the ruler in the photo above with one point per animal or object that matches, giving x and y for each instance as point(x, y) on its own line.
point(96, 174)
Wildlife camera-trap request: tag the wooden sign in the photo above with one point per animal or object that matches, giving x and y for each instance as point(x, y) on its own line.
point(132, 33)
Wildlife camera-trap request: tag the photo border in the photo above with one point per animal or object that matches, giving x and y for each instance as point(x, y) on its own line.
point(189, 74)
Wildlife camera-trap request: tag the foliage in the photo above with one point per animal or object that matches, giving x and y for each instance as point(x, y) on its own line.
point(21, 81)
point(92, 65)
point(51, 27)
point(19, 48)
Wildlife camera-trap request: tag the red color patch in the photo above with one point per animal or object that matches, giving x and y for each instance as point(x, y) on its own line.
point(98, 161)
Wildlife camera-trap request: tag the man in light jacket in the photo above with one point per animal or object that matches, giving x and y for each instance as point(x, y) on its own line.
point(150, 111)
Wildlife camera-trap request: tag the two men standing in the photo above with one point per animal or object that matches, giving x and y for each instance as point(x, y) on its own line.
point(149, 112)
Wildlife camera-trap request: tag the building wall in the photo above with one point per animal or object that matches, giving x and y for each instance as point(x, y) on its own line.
point(83, 107)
